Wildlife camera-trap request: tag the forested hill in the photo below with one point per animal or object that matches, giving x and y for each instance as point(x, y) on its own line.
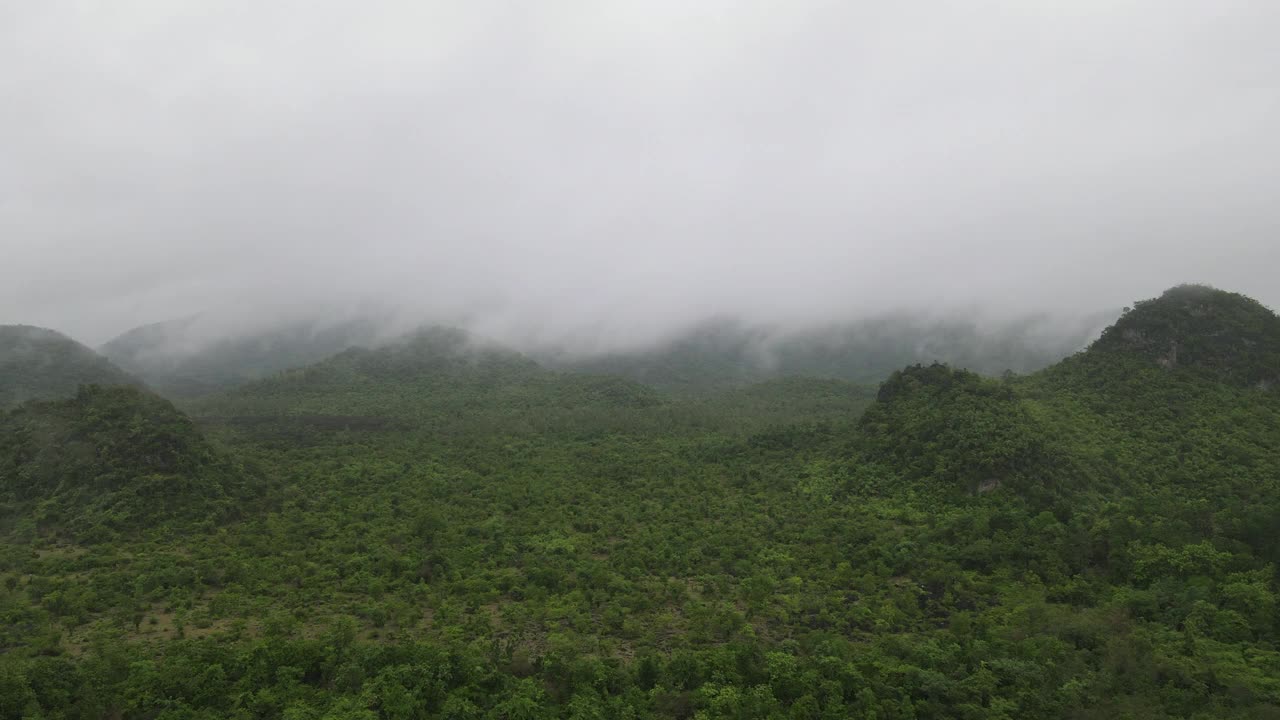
point(1179, 391)
point(951, 432)
point(1223, 335)
point(187, 357)
point(107, 461)
point(37, 363)
point(443, 528)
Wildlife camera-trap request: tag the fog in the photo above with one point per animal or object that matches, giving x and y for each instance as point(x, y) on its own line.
point(605, 172)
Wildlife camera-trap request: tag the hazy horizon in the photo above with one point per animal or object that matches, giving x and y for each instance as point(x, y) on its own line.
point(606, 174)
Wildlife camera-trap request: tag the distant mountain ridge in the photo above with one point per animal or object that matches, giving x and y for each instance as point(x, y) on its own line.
point(726, 353)
point(182, 358)
point(434, 377)
point(177, 359)
point(41, 364)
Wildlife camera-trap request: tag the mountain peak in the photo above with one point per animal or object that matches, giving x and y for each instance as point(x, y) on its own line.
point(1200, 327)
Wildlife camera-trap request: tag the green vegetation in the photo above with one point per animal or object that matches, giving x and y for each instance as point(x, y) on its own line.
point(444, 529)
point(40, 364)
point(1223, 334)
point(952, 431)
point(107, 461)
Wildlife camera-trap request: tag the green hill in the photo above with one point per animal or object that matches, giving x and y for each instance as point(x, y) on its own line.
point(108, 460)
point(1167, 397)
point(1176, 396)
point(41, 364)
point(951, 430)
point(1200, 329)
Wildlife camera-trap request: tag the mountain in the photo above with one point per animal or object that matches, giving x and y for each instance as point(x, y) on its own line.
point(196, 355)
point(109, 459)
point(1167, 395)
point(727, 353)
point(41, 364)
point(435, 378)
point(208, 353)
point(1199, 328)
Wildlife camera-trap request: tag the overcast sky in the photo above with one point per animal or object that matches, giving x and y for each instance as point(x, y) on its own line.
point(591, 163)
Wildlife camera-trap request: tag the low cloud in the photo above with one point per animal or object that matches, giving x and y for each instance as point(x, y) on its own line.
point(613, 171)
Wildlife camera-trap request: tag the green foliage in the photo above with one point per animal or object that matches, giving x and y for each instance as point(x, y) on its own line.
point(1199, 328)
point(447, 530)
point(957, 431)
point(107, 460)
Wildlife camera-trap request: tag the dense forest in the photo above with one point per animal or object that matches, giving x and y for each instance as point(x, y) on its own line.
point(441, 527)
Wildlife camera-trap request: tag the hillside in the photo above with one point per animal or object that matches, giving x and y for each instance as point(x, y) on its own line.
point(1172, 394)
point(951, 431)
point(41, 364)
point(108, 460)
point(1201, 329)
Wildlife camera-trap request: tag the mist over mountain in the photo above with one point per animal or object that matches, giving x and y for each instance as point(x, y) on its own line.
point(727, 352)
point(214, 351)
point(659, 360)
point(41, 364)
point(190, 356)
point(942, 542)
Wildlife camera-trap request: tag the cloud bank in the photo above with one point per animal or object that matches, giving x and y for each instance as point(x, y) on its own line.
point(565, 168)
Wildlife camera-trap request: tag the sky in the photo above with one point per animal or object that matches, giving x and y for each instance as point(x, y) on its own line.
point(574, 166)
